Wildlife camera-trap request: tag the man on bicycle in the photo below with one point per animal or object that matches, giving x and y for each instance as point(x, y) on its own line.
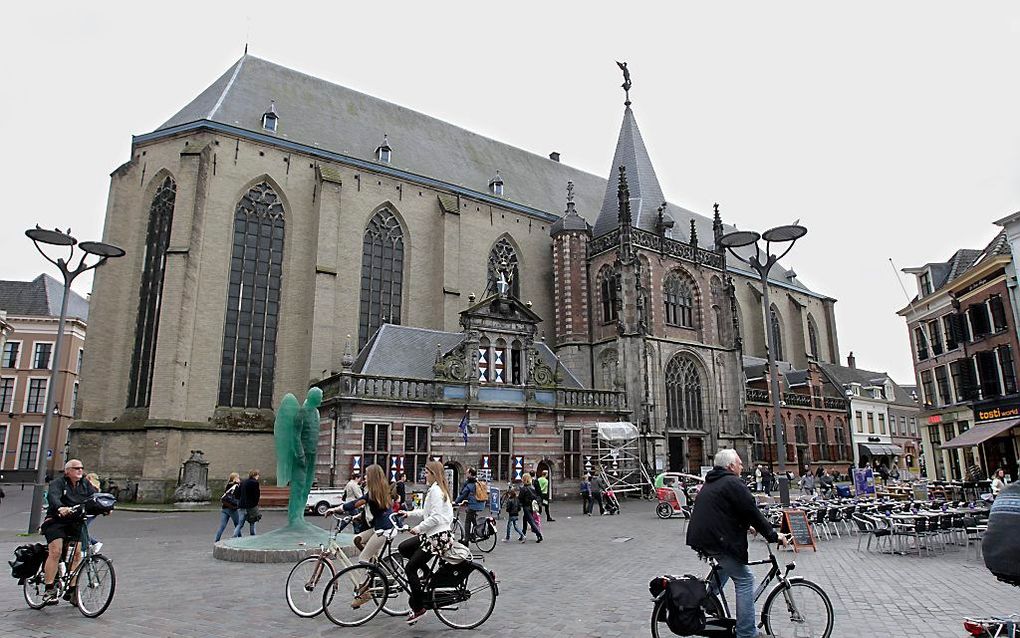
point(467, 495)
point(723, 513)
point(63, 493)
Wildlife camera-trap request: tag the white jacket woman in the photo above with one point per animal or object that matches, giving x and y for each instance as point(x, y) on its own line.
point(431, 536)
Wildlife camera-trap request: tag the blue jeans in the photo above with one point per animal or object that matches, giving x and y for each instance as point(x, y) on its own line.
point(512, 520)
point(743, 583)
point(241, 515)
point(226, 515)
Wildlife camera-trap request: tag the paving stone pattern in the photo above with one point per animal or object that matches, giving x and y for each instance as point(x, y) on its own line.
point(582, 581)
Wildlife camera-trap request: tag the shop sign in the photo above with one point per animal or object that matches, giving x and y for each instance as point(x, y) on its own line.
point(935, 419)
point(992, 412)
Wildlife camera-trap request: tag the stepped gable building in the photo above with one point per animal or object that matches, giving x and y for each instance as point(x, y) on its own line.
point(33, 314)
point(278, 213)
point(963, 332)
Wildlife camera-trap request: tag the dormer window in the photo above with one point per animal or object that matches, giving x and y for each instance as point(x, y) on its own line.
point(270, 119)
point(496, 185)
point(924, 283)
point(384, 152)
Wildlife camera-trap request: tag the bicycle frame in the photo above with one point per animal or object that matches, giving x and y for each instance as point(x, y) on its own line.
point(774, 573)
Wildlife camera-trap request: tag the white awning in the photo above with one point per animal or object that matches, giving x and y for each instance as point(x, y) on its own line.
point(618, 431)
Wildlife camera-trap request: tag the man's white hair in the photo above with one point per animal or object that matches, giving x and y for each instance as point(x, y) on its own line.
point(726, 457)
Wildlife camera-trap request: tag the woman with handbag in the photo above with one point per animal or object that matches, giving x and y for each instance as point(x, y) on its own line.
point(228, 504)
point(431, 536)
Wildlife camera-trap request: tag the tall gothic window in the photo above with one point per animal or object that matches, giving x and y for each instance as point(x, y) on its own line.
point(608, 287)
point(382, 274)
point(683, 395)
point(253, 301)
point(812, 332)
point(679, 302)
point(777, 332)
point(757, 432)
point(822, 436)
point(150, 295)
point(503, 251)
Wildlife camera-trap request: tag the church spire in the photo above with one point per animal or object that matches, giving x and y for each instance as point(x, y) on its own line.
point(645, 192)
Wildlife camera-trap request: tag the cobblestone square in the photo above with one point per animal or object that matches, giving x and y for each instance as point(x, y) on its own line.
point(589, 578)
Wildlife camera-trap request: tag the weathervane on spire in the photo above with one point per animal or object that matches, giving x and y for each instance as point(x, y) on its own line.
point(626, 81)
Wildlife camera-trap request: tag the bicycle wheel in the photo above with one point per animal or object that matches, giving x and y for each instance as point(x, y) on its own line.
point(456, 529)
point(396, 603)
point(305, 585)
point(469, 604)
point(34, 587)
point(96, 583)
point(355, 595)
point(713, 610)
point(488, 543)
point(664, 510)
point(802, 609)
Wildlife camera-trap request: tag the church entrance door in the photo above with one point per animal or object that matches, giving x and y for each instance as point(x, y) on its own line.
point(695, 454)
point(675, 457)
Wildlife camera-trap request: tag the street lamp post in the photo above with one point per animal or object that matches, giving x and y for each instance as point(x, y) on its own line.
point(103, 252)
point(761, 262)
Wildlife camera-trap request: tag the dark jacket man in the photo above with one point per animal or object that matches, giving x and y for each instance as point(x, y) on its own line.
point(248, 493)
point(723, 512)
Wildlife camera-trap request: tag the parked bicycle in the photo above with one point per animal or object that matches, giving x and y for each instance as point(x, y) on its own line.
point(93, 582)
point(483, 535)
point(462, 595)
point(794, 607)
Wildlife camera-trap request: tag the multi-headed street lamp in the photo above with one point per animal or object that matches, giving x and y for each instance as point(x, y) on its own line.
point(96, 249)
point(761, 262)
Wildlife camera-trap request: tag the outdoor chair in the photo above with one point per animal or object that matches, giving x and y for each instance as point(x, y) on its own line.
point(819, 523)
point(833, 518)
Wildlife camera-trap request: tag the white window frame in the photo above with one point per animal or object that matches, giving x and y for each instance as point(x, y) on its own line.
point(21, 351)
point(46, 395)
point(4, 450)
point(21, 439)
point(14, 393)
point(49, 363)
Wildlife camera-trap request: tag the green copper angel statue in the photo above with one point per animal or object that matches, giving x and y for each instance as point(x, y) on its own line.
point(297, 436)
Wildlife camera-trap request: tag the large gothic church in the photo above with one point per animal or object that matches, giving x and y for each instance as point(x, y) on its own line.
point(454, 297)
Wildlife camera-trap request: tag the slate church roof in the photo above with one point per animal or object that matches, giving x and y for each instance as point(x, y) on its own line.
point(336, 119)
point(40, 298)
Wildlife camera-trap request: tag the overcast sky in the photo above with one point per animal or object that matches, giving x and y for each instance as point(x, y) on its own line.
point(891, 130)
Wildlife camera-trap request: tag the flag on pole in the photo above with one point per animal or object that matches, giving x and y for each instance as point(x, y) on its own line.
point(463, 427)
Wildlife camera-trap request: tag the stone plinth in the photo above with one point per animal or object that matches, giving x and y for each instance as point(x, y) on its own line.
point(285, 545)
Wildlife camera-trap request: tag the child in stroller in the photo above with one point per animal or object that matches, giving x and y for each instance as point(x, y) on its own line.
point(611, 502)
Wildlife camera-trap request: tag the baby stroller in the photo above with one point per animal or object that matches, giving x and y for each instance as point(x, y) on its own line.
point(611, 502)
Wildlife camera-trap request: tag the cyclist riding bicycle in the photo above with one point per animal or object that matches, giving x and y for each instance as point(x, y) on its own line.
point(63, 493)
point(467, 496)
point(722, 515)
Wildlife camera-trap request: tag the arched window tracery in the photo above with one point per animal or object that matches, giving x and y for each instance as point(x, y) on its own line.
point(503, 252)
point(684, 401)
point(382, 274)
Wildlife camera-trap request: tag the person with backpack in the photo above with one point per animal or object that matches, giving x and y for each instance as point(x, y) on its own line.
point(723, 512)
point(228, 504)
point(474, 494)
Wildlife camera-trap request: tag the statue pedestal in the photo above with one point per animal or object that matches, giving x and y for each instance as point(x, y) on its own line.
point(285, 545)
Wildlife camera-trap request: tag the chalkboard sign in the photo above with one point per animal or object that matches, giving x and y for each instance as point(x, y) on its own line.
point(795, 522)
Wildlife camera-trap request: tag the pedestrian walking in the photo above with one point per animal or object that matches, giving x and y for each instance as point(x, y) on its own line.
point(758, 478)
point(228, 504)
point(513, 512)
point(401, 490)
point(807, 484)
point(353, 490)
point(248, 495)
point(469, 494)
point(529, 506)
point(598, 486)
point(586, 501)
point(766, 480)
point(545, 491)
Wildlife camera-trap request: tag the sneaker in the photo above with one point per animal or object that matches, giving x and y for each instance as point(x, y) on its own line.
point(49, 597)
point(361, 600)
point(415, 615)
point(97, 547)
point(522, 539)
point(539, 540)
point(506, 540)
point(69, 594)
point(551, 520)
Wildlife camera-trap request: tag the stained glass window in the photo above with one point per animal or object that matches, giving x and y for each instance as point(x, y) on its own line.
point(253, 301)
point(777, 332)
point(608, 287)
point(382, 274)
point(150, 294)
point(683, 395)
point(503, 251)
point(679, 302)
point(812, 331)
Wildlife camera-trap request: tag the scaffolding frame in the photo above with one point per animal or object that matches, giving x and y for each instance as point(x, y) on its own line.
point(618, 457)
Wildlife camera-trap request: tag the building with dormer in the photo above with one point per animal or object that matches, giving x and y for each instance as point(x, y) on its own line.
point(277, 214)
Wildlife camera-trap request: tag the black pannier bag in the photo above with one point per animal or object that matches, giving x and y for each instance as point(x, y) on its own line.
point(100, 503)
point(27, 559)
point(684, 611)
point(1001, 542)
point(449, 575)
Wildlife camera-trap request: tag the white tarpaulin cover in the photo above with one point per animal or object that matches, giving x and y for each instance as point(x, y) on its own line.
point(618, 431)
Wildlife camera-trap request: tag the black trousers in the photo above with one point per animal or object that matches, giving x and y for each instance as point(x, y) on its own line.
point(417, 559)
point(469, 526)
point(530, 521)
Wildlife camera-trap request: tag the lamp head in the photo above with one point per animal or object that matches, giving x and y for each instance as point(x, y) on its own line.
point(101, 249)
point(738, 238)
point(792, 232)
point(52, 237)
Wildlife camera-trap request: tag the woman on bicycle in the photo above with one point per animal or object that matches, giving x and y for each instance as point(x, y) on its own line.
point(378, 506)
point(431, 536)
